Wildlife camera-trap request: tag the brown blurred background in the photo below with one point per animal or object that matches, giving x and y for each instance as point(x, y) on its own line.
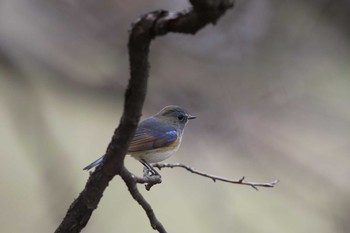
point(270, 84)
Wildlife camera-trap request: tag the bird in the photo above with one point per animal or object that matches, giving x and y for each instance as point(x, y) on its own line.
point(156, 138)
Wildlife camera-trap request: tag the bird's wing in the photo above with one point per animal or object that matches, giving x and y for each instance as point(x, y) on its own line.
point(151, 134)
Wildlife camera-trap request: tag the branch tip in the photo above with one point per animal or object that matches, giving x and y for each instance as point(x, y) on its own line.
point(241, 180)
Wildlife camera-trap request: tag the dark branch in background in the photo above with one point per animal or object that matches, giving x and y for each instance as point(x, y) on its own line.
point(146, 28)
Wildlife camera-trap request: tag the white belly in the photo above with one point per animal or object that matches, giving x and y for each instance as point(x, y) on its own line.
point(154, 156)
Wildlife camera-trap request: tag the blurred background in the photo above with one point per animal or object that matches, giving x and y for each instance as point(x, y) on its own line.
point(270, 84)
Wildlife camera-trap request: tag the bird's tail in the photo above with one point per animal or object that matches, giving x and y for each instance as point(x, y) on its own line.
point(94, 164)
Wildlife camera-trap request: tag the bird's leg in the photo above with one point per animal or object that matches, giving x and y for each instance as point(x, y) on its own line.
point(150, 168)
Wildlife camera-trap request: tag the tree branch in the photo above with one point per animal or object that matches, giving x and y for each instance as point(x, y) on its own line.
point(241, 181)
point(143, 31)
point(130, 181)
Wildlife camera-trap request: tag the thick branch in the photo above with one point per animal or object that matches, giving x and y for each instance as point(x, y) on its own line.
point(202, 13)
point(81, 209)
point(241, 181)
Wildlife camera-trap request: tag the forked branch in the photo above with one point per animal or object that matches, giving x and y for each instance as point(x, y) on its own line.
point(143, 31)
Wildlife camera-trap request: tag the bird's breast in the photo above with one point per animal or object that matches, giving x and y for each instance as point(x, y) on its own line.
point(158, 154)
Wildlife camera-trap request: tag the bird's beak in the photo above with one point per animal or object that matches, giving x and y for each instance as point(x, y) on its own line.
point(191, 117)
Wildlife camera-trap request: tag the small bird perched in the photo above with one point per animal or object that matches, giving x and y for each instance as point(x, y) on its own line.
point(157, 137)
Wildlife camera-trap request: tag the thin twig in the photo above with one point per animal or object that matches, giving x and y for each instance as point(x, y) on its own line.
point(241, 181)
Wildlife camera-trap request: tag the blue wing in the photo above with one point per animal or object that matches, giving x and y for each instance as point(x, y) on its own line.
point(152, 134)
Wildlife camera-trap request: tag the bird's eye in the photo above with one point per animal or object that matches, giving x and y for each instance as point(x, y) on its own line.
point(181, 117)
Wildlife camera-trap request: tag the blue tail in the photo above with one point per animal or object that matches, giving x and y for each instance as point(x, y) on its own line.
point(94, 164)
